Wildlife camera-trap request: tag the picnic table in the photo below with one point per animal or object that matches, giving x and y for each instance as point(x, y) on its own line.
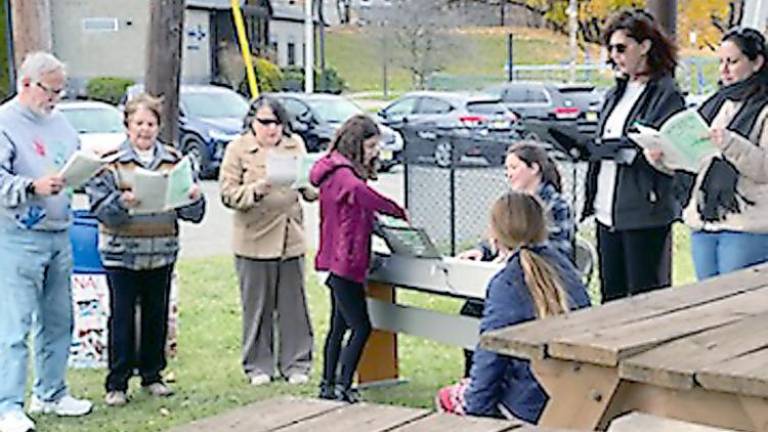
point(450, 277)
point(289, 414)
point(697, 353)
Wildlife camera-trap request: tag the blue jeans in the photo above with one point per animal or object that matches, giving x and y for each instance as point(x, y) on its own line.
point(36, 293)
point(716, 253)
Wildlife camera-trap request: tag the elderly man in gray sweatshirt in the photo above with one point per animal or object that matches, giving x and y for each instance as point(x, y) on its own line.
point(35, 252)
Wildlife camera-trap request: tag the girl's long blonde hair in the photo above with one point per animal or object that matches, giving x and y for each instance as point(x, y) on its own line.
point(518, 221)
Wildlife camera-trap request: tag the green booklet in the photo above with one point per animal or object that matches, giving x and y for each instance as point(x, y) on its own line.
point(290, 170)
point(159, 192)
point(683, 138)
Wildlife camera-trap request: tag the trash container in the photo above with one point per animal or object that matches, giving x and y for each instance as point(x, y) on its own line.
point(84, 234)
point(90, 297)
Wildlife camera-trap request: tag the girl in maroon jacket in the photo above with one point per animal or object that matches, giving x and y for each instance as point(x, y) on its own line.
point(347, 211)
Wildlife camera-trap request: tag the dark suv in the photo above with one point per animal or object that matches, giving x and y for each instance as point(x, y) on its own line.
point(579, 103)
point(482, 120)
point(209, 118)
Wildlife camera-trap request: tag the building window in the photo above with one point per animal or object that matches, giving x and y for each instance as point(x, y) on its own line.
point(100, 24)
point(291, 53)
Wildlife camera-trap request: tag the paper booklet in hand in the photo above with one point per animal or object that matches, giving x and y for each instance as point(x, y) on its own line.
point(159, 192)
point(683, 138)
point(290, 170)
point(404, 239)
point(83, 165)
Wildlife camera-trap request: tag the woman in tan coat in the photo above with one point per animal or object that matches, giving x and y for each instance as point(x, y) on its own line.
point(269, 246)
point(728, 203)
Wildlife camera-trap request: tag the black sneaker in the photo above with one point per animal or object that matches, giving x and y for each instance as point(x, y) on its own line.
point(348, 395)
point(327, 392)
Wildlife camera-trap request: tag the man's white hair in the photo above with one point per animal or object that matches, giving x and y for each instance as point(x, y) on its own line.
point(36, 65)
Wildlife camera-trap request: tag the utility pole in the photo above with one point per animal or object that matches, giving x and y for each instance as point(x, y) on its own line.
point(665, 13)
point(510, 57)
point(321, 48)
point(755, 14)
point(501, 11)
point(31, 27)
point(163, 70)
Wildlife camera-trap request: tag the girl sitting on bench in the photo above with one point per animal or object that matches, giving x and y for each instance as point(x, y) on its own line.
point(537, 281)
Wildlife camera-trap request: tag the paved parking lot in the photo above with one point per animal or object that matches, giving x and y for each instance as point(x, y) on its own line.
point(214, 235)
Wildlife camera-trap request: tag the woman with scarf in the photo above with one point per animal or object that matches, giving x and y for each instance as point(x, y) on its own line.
point(632, 202)
point(728, 203)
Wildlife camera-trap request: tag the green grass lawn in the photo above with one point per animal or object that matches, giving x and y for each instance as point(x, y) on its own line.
point(357, 57)
point(207, 370)
point(480, 58)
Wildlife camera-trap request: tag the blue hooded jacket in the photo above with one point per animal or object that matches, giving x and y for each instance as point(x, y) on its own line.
point(499, 379)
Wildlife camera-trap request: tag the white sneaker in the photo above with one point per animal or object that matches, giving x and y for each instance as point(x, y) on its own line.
point(16, 421)
point(298, 379)
point(66, 406)
point(260, 379)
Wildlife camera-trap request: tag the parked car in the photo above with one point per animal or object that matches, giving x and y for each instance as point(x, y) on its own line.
point(209, 118)
point(579, 103)
point(317, 116)
point(99, 125)
point(431, 113)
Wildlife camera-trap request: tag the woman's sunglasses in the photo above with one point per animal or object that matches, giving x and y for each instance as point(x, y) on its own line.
point(268, 122)
point(619, 47)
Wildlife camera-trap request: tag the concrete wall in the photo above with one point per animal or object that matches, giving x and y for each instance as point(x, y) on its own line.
point(284, 32)
point(90, 53)
point(121, 52)
point(196, 56)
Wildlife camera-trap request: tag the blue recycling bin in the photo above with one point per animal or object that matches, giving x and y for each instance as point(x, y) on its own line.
point(84, 235)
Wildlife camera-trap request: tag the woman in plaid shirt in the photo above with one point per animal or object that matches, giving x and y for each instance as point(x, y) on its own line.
point(529, 169)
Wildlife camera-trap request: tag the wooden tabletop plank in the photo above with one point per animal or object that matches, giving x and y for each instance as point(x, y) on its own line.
point(639, 422)
point(529, 340)
point(674, 365)
point(440, 422)
point(608, 346)
point(359, 417)
point(745, 375)
point(263, 416)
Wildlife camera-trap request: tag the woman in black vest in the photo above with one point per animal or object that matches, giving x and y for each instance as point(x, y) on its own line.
point(633, 202)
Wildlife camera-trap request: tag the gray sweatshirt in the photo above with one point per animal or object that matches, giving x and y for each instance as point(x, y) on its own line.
point(32, 146)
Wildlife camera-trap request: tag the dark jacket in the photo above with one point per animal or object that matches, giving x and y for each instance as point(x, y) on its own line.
point(644, 196)
point(499, 379)
point(347, 211)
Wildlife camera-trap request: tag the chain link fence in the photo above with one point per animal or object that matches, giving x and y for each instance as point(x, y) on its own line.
point(453, 178)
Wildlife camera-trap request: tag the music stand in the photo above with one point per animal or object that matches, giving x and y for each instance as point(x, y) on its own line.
point(576, 144)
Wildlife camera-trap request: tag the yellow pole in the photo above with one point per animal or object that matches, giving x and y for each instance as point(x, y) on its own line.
point(244, 49)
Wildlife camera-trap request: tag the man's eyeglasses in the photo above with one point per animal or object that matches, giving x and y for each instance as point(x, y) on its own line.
point(619, 47)
point(268, 122)
point(51, 91)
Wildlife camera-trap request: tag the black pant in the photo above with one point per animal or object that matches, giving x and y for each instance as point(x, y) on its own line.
point(472, 308)
point(150, 289)
point(348, 311)
point(633, 261)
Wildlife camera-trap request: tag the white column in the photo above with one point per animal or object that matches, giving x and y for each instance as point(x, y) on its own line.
point(309, 50)
point(573, 27)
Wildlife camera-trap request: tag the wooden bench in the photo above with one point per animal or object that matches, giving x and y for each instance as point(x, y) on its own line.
point(287, 414)
point(697, 353)
point(639, 422)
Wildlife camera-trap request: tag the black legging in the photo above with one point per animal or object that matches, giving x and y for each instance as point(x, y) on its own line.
point(348, 311)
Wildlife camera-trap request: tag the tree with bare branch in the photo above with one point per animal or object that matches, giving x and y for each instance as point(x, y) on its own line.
point(425, 32)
